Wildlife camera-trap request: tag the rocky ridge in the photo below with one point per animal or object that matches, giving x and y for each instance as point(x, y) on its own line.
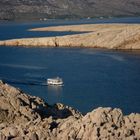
point(28, 117)
point(110, 36)
point(36, 9)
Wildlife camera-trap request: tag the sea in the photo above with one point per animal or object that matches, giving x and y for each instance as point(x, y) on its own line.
point(92, 77)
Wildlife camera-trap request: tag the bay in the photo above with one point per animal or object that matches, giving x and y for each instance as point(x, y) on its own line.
point(92, 77)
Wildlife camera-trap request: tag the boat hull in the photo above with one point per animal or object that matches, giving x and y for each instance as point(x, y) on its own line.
point(55, 82)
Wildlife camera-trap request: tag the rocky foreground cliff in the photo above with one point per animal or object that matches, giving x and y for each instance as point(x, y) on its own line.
point(36, 9)
point(25, 117)
point(110, 36)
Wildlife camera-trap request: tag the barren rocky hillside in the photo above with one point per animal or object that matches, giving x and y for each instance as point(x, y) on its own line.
point(25, 117)
point(35, 9)
point(109, 36)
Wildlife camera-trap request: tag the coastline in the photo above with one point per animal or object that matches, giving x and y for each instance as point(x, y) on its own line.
point(108, 36)
point(28, 117)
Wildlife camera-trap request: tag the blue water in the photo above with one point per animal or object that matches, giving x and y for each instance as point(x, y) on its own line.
point(11, 30)
point(92, 77)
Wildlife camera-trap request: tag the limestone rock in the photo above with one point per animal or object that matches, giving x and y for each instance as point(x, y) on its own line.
point(28, 117)
point(3, 137)
point(109, 36)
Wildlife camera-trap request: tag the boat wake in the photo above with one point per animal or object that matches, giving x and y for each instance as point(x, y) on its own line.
point(24, 82)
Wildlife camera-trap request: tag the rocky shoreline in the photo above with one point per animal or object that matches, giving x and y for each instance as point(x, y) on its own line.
point(109, 36)
point(25, 117)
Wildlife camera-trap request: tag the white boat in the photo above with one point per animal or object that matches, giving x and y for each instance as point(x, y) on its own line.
point(55, 81)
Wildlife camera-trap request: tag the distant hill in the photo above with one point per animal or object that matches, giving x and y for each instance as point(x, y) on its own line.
point(36, 9)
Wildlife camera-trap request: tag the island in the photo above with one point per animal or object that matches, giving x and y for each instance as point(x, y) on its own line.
point(109, 36)
point(23, 116)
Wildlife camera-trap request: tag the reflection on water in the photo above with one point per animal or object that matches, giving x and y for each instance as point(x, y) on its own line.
point(55, 90)
point(54, 94)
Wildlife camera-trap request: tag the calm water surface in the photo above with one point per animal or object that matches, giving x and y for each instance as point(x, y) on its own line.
point(92, 77)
